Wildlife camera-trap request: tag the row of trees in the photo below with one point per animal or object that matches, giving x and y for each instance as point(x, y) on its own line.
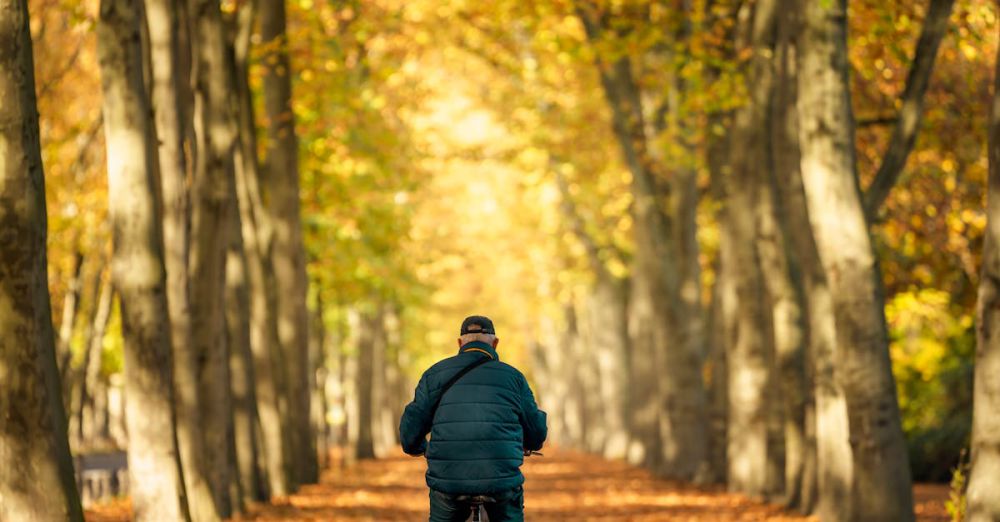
point(208, 266)
point(672, 209)
point(779, 383)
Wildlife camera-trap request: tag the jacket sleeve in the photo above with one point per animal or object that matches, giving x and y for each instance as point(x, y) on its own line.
point(533, 420)
point(415, 424)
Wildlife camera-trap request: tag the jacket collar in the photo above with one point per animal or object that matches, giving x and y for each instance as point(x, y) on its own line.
point(481, 347)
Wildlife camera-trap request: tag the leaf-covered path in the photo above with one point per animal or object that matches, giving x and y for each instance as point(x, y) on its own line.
point(560, 486)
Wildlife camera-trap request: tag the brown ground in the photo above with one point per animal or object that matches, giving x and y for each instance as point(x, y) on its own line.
point(560, 486)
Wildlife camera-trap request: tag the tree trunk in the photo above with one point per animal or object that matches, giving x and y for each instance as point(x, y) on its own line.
point(36, 472)
point(269, 366)
point(71, 305)
point(786, 302)
point(606, 319)
point(138, 272)
point(828, 462)
point(64, 349)
point(215, 138)
point(385, 379)
point(570, 375)
point(881, 487)
point(984, 478)
point(781, 279)
point(318, 362)
point(367, 339)
point(668, 414)
point(91, 366)
point(246, 423)
point(750, 351)
point(171, 114)
point(722, 324)
point(288, 250)
point(604, 322)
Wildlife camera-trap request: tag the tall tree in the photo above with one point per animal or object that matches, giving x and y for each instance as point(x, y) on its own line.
point(246, 422)
point(138, 270)
point(668, 411)
point(750, 350)
point(606, 318)
point(881, 486)
point(984, 479)
point(368, 342)
point(90, 368)
point(785, 281)
point(282, 175)
point(71, 306)
point(215, 134)
point(36, 472)
point(171, 112)
point(269, 367)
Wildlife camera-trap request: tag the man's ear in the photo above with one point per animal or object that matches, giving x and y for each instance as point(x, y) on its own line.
point(496, 341)
point(459, 342)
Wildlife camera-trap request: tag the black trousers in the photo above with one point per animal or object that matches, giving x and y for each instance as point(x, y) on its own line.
point(509, 507)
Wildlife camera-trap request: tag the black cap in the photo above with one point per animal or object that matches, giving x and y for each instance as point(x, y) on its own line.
point(475, 324)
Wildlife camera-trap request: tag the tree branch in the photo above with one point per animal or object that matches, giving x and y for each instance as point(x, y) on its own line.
point(577, 225)
point(908, 121)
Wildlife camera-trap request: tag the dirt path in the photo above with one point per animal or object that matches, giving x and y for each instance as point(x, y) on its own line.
point(563, 486)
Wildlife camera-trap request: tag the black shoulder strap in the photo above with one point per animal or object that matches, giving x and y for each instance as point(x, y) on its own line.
point(461, 373)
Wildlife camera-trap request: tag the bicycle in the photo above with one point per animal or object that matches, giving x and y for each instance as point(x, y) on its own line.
point(477, 503)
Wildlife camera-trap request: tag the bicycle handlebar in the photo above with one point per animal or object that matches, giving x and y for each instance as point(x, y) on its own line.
point(527, 453)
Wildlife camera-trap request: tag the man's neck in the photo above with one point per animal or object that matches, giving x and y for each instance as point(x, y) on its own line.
point(479, 346)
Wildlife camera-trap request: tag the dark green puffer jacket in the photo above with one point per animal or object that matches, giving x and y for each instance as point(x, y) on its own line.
point(481, 429)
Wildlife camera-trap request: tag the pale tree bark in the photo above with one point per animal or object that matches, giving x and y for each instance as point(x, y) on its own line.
point(71, 305)
point(669, 120)
point(138, 272)
point(78, 375)
point(605, 309)
point(385, 378)
point(67, 323)
point(86, 427)
point(984, 478)
point(603, 324)
point(904, 134)
point(782, 280)
point(163, 19)
point(573, 402)
point(750, 351)
point(587, 376)
point(367, 339)
point(246, 423)
point(350, 364)
point(786, 301)
point(722, 314)
point(288, 252)
point(827, 470)
point(881, 486)
point(552, 366)
point(318, 361)
point(668, 414)
point(269, 366)
point(36, 472)
point(215, 138)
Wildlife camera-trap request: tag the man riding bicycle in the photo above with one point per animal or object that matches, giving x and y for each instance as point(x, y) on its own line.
point(482, 419)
